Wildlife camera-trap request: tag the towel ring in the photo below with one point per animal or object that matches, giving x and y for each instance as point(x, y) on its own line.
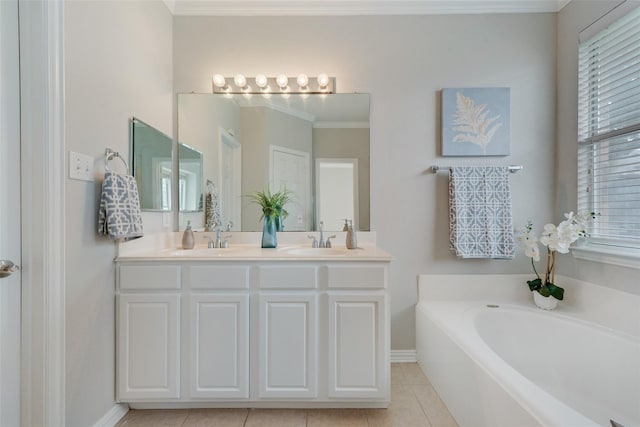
point(109, 154)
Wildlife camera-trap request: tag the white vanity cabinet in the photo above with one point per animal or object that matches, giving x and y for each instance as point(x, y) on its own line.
point(253, 333)
point(148, 333)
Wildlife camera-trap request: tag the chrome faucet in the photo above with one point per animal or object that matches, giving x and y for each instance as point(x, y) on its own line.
point(218, 237)
point(321, 243)
point(218, 242)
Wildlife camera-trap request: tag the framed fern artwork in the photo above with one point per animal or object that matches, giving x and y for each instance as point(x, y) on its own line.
point(475, 121)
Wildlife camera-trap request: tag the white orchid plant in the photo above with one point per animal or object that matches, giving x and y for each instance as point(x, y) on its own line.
point(557, 239)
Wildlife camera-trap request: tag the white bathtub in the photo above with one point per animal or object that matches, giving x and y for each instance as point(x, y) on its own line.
point(515, 365)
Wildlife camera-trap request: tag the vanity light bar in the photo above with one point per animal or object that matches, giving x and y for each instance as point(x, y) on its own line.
point(281, 84)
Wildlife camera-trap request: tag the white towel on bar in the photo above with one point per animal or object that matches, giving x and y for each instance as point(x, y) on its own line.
point(480, 218)
point(119, 214)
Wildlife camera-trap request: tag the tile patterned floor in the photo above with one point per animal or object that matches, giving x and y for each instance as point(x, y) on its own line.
point(414, 403)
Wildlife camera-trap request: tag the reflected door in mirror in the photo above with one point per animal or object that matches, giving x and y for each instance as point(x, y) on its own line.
point(290, 169)
point(337, 192)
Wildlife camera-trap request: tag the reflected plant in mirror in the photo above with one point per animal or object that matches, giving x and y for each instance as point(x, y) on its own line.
point(152, 154)
point(317, 146)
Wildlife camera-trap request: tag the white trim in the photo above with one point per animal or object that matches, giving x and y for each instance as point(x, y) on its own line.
point(43, 201)
point(115, 414)
point(340, 125)
point(607, 254)
point(404, 356)
point(262, 102)
point(363, 7)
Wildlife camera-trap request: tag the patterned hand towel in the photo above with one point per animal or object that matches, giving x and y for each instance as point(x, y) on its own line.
point(480, 219)
point(119, 214)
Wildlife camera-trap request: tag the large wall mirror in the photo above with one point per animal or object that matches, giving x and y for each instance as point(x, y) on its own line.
point(315, 145)
point(152, 154)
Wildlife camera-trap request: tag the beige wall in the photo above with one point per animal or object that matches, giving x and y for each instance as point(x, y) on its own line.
point(118, 63)
point(403, 62)
point(575, 17)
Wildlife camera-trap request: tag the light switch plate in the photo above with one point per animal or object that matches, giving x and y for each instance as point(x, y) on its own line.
point(80, 166)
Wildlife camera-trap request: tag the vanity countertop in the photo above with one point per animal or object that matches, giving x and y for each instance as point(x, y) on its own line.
point(255, 253)
point(168, 249)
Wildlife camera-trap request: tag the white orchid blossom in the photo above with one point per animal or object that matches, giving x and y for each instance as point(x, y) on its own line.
point(557, 239)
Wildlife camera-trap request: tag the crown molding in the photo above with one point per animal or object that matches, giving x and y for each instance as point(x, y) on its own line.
point(358, 7)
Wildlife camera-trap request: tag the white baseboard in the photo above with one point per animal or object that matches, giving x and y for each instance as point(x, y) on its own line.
point(403, 356)
point(114, 415)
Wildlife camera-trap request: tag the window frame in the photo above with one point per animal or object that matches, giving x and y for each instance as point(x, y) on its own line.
point(618, 251)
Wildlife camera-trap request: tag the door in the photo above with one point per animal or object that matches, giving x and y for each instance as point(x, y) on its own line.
point(288, 360)
point(219, 331)
point(291, 168)
point(10, 246)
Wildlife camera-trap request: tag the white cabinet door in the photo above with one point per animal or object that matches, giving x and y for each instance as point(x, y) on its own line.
point(357, 336)
point(288, 344)
point(148, 346)
point(219, 331)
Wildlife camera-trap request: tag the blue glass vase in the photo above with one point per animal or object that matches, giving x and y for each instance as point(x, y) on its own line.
point(269, 237)
point(279, 222)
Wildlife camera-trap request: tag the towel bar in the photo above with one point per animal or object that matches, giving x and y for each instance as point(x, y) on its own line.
point(436, 168)
point(109, 154)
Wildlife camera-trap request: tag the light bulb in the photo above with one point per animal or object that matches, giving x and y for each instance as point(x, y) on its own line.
point(303, 80)
point(219, 81)
point(323, 80)
point(282, 81)
point(240, 80)
point(261, 81)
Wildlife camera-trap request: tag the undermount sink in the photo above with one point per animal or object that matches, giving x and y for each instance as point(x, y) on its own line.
point(206, 252)
point(318, 252)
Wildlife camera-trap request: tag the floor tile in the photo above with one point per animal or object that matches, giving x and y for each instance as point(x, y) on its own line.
point(337, 418)
point(436, 411)
point(401, 413)
point(216, 418)
point(154, 418)
point(413, 374)
point(276, 418)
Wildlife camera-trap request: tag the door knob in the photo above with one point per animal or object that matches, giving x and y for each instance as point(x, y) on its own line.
point(7, 268)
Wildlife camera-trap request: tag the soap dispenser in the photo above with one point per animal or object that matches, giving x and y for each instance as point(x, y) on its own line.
point(352, 240)
point(187, 237)
point(346, 225)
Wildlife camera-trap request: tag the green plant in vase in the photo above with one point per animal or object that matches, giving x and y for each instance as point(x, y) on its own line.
point(273, 212)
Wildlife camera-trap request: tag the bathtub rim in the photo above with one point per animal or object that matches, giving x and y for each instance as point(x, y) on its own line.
point(452, 316)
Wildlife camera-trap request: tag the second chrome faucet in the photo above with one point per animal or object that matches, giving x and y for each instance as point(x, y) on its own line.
point(322, 243)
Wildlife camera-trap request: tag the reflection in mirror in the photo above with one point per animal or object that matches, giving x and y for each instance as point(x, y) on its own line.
point(152, 162)
point(189, 178)
point(337, 192)
point(252, 143)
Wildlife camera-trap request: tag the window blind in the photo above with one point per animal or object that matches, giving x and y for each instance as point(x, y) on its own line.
point(609, 131)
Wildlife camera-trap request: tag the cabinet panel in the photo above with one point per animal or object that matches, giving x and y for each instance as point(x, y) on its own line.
point(217, 277)
point(149, 276)
point(219, 345)
point(356, 346)
point(148, 346)
point(288, 360)
point(288, 276)
point(357, 276)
